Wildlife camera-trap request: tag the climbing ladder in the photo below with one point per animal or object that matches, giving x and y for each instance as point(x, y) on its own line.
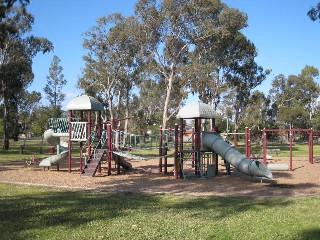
point(94, 162)
point(189, 167)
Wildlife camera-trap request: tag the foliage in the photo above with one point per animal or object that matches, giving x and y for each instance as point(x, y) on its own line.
point(46, 213)
point(111, 65)
point(294, 98)
point(314, 12)
point(40, 123)
point(27, 103)
point(256, 114)
point(17, 49)
point(54, 85)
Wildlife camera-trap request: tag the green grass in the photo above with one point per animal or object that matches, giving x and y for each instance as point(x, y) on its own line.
point(46, 213)
point(31, 147)
point(298, 150)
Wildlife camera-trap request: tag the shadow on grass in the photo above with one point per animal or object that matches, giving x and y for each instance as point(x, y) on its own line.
point(66, 209)
point(40, 209)
point(311, 234)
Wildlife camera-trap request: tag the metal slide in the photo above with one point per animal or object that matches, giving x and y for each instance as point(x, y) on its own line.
point(54, 139)
point(234, 157)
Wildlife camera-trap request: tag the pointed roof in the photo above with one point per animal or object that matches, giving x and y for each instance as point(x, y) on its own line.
point(197, 110)
point(84, 102)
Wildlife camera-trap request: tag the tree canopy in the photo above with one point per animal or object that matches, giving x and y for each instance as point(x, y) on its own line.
point(17, 49)
point(54, 85)
point(183, 46)
point(314, 12)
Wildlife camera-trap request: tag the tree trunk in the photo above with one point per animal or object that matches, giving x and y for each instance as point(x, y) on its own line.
point(5, 125)
point(168, 97)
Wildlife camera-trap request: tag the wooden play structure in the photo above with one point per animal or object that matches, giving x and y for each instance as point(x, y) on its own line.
point(84, 126)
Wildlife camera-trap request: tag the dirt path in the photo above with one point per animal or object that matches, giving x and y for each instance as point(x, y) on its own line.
point(304, 180)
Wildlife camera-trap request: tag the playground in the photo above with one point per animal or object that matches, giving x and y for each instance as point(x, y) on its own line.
point(99, 162)
point(145, 178)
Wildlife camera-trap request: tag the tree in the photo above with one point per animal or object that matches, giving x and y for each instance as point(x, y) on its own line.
point(147, 107)
point(256, 114)
point(111, 65)
point(27, 104)
point(295, 98)
point(314, 12)
point(198, 45)
point(17, 49)
point(55, 83)
point(40, 124)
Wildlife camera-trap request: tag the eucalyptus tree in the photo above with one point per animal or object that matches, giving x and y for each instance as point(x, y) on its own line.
point(17, 49)
point(225, 62)
point(111, 65)
point(295, 98)
point(198, 46)
point(53, 88)
point(27, 104)
point(256, 115)
point(314, 12)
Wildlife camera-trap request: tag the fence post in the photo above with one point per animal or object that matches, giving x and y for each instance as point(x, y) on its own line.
point(160, 148)
point(264, 145)
point(109, 147)
point(290, 136)
point(176, 151)
point(311, 146)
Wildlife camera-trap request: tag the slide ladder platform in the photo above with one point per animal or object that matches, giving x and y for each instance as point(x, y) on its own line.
point(93, 165)
point(189, 167)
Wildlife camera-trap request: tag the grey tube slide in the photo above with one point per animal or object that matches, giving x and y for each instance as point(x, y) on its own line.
point(234, 157)
point(54, 139)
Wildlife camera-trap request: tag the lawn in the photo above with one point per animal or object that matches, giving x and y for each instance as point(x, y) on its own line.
point(46, 213)
point(36, 147)
point(24, 150)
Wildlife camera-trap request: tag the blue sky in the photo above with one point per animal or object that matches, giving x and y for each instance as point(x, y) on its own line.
point(285, 37)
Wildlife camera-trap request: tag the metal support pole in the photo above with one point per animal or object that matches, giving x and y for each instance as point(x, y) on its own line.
point(264, 146)
point(69, 141)
point(165, 153)
point(311, 146)
point(249, 142)
point(160, 148)
point(192, 145)
point(176, 152)
point(246, 142)
point(81, 159)
point(109, 147)
point(290, 136)
point(89, 134)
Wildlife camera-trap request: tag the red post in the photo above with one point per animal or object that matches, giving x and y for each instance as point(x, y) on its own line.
point(311, 146)
point(89, 135)
point(80, 163)
point(69, 141)
point(99, 128)
point(109, 147)
point(160, 148)
point(176, 152)
point(264, 145)
point(118, 137)
point(197, 143)
point(192, 145)
point(290, 136)
point(165, 153)
point(247, 142)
